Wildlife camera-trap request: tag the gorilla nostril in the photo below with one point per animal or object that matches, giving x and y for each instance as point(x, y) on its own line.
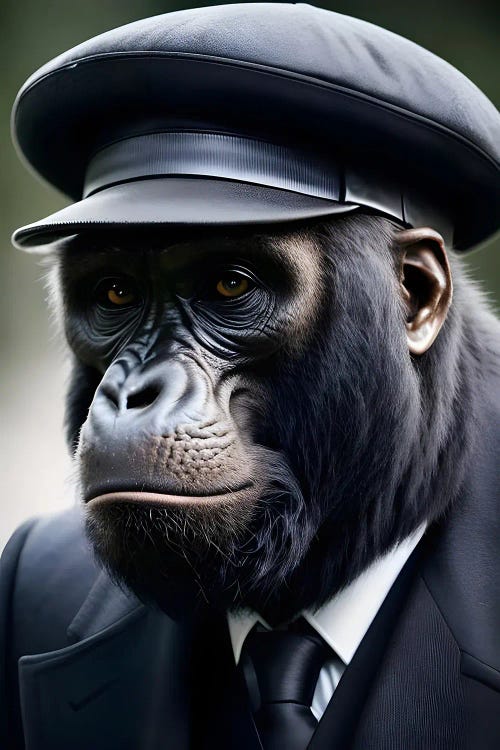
point(143, 398)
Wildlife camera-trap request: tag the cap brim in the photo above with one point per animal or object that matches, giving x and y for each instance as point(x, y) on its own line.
point(177, 201)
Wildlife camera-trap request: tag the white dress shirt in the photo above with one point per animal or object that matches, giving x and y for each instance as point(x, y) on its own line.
point(342, 621)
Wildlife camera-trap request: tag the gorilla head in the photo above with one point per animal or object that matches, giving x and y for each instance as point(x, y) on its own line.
point(262, 413)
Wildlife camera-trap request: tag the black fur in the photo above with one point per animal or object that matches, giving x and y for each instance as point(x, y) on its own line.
point(379, 440)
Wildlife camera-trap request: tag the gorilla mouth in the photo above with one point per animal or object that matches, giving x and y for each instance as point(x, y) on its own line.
point(160, 498)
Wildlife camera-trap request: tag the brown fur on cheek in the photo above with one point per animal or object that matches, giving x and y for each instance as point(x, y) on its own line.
point(302, 257)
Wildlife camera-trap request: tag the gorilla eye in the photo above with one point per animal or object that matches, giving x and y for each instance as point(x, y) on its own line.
point(232, 285)
point(116, 292)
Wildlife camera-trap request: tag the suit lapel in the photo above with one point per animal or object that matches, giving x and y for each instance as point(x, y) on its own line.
point(418, 699)
point(104, 606)
point(336, 729)
point(122, 683)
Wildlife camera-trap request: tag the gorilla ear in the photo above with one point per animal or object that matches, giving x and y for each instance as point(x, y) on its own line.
point(426, 285)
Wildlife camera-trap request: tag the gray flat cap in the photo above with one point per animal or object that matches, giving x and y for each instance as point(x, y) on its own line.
point(257, 113)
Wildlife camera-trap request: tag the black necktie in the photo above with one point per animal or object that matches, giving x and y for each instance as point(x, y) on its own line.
point(281, 669)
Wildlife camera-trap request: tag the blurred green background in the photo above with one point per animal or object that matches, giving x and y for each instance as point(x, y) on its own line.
point(32, 451)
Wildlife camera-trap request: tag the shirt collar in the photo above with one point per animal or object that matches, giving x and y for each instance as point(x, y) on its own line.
point(343, 620)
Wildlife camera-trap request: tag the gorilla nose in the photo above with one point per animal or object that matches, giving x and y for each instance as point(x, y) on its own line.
point(152, 402)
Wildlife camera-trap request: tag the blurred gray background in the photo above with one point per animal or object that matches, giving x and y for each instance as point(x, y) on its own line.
point(35, 471)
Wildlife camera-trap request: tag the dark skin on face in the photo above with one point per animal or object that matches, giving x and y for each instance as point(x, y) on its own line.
point(181, 338)
point(177, 471)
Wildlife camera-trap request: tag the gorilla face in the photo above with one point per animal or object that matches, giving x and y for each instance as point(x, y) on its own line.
point(258, 423)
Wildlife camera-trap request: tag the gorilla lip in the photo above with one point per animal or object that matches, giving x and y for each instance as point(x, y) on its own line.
point(160, 498)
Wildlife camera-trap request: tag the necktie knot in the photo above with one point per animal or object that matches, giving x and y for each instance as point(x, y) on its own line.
point(281, 669)
point(286, 663)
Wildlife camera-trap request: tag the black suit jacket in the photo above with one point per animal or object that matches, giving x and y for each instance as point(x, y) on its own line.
point(86, 666)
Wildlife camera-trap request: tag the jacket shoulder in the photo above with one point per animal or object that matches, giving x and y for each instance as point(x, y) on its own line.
point(46, 572)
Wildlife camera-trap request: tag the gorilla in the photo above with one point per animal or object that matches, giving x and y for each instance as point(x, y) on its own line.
point(258, 416)
point(283, 405)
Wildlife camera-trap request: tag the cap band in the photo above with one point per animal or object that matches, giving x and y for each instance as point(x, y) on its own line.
point(212, 155)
